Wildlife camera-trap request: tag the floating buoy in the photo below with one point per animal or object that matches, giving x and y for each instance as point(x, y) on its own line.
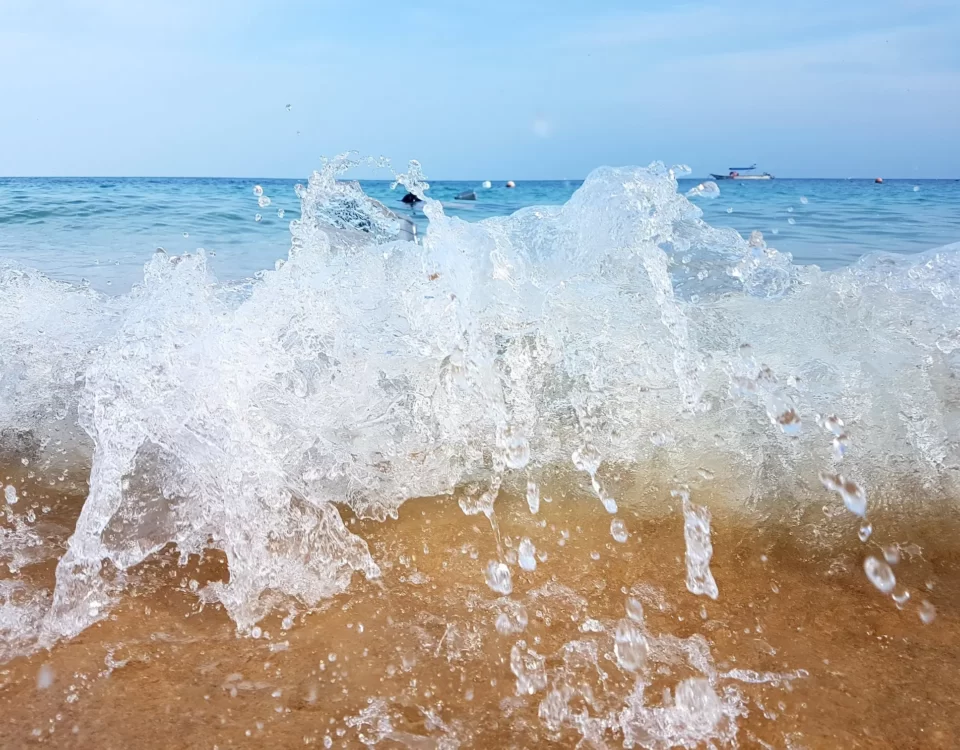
point(511, 184)
point(879, 180)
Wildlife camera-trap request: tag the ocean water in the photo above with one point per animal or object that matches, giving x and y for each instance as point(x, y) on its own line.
point(104, 230)
point(603, 464)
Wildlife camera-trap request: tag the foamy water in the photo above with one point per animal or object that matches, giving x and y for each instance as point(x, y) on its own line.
point(615, 351)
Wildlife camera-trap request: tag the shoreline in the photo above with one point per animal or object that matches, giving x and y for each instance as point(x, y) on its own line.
point(787, 604)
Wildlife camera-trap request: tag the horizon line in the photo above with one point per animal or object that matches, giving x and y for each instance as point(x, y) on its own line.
point(429, 179)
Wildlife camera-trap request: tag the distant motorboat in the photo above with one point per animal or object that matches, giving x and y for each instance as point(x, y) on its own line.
point(735, 174)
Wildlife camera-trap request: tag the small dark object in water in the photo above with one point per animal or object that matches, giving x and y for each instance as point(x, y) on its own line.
point(879, 180)
point(410, 199)
point(467, 195)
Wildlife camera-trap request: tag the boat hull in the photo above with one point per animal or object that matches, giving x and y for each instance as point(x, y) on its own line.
point(743, 177)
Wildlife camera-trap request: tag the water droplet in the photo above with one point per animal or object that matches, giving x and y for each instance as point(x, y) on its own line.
point(186, 234)
point(609, 504)
point(854, 497)
point(487, 184)
point(775, 231)
point(891, 553)
point(916, 188)
point(949, 342)
point(790, 210)
point(630, 646)
point(516, 449)
point(533, 496)
point(289, 107)
point(529, 668)
point(803, 200)
point(879, 574)
point(618, 530)
point(832, 424)
point(730, 210)
point(634, 609)
point(257, 191)
point(587, 458)
point(256, 632)
point(258, 217)
point(594, 556)
point(10, 494)
point(661, 439)
point(512, 620)
point(45, 677)
point(498, 577)
point(866, 529)
point(927, 612)
point(280, 213)
point(788, 420)
point(791, 220)
point(840, 443)
point(527, 555)
point(263, 201)
point(901, 598)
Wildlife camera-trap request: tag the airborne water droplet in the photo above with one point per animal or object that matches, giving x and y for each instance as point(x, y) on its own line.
point(634, 609)
point(833, 424)
point(803, 200)
point(258, 217)
point(280, 213)
point(879, 574)
point(498, 577)
point(901, 598)
point(516, 449)
point(866, 530)
point(891, 553)
point(263, 201)
point(10, 494)
point(927, 612)
point(527, 554)
point(840, 443)
point(257, 191)
point(791, 220)
point(533, 496)
point(618, 530)
point(289, 107)
point(630, 646)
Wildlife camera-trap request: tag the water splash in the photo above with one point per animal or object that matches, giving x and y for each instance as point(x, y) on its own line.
point(696, 532)
point(365, 369)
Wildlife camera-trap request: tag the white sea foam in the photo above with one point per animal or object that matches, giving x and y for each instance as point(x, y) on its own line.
point(366, 370)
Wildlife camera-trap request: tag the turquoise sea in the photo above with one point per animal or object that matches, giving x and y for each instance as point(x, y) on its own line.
point(105, 229)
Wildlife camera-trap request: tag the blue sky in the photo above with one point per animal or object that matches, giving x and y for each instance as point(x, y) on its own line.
point(478, 90)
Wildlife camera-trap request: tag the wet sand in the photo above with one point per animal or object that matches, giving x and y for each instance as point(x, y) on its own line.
point(415, 659)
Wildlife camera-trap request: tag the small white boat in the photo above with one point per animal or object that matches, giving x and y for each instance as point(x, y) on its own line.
point(735, 174)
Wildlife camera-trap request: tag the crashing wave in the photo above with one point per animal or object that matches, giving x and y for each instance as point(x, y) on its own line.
point(616, 330)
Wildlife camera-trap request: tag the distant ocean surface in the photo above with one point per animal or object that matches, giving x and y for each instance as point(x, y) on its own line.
point(104, 229)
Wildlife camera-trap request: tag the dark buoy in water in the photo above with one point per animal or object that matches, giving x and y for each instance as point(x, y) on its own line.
point(511, 184)
point(467, 195)
point(879, 180)
point(410, 199)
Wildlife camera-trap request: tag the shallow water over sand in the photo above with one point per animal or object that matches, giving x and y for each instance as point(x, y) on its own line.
point(686, 492)
point(799, 650)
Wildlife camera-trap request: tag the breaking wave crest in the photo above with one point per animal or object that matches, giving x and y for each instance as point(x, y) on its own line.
point(618, 331)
